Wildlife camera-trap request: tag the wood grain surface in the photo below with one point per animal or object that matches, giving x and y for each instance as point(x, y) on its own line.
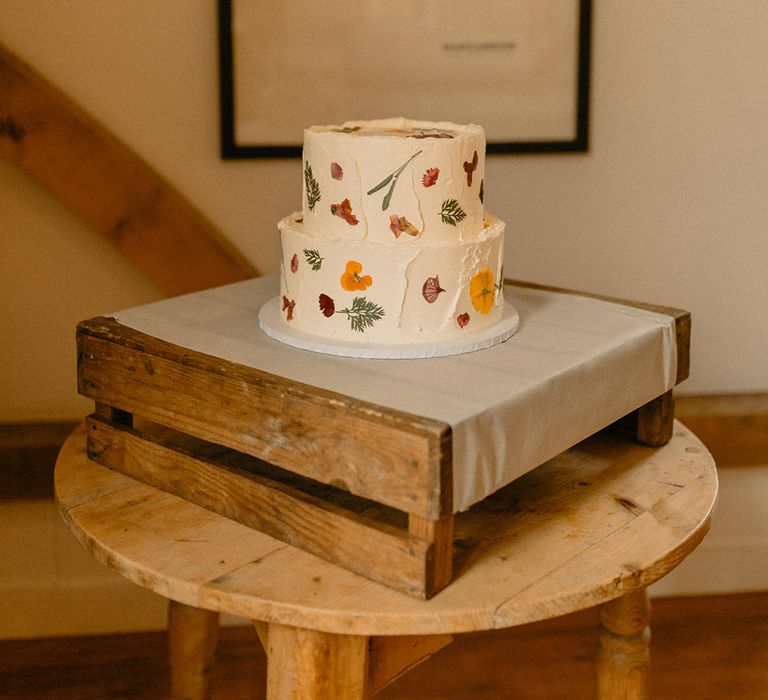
point(599, 521)
point(110, 187)
point(395, 458)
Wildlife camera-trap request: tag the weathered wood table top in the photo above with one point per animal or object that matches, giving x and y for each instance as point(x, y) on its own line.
point(599, 521)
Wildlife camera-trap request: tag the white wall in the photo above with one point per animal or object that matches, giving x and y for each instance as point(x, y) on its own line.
point(668, 206)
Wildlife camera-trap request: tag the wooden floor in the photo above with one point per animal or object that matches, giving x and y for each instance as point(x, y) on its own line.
point(703, 648)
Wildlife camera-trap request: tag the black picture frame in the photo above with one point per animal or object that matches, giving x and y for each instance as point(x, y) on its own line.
point(232, 150)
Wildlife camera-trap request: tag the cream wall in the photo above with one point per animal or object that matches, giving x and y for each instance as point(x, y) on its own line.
point(668, 206)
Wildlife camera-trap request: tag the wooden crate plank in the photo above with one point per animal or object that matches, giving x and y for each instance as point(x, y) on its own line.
point(378, 551)
point(392, 457)
point(655, 421)
point(439, 532)
point(109, 187)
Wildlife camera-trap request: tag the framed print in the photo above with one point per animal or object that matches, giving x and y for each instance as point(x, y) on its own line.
point(519, 68)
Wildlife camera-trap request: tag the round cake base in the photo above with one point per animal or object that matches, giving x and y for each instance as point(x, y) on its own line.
point(272, 323)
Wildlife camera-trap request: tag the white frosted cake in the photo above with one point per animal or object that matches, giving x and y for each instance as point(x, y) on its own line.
point(393, 245)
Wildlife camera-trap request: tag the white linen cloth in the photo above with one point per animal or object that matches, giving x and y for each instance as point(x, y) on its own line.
point(575, 365)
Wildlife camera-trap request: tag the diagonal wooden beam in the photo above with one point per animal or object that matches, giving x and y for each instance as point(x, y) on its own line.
point(110, 187)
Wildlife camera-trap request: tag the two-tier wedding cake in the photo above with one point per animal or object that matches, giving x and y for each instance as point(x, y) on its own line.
point(393, 247)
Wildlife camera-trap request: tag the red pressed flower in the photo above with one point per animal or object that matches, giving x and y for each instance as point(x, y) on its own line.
point(294, 263)
point(431, 289)
point(430, 177)
point(327, 306)
point(462, 319)
point(469, 168)
point(288, 305)
point(337, 172)
point(344, 211)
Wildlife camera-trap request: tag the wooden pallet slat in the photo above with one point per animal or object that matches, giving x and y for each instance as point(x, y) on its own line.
point(320, 435)
point(396, 557)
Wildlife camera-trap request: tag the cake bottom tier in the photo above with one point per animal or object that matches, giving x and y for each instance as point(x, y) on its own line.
point(362, 292)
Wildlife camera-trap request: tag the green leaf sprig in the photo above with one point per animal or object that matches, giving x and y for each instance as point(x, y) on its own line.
point(314, 259)
point(363, 314)
point(452, 213)
point(392, 178)
point(313, 188)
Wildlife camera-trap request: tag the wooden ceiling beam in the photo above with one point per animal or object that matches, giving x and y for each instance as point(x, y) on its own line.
point(109, 187)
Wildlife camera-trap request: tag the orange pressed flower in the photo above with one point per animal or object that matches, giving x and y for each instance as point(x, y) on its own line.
point(344, 211)
point(482, 291)
point(352, 280)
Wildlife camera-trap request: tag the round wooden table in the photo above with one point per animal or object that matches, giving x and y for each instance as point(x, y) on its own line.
point(594, 526)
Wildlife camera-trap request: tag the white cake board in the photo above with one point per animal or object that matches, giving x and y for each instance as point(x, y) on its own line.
point(272, 323)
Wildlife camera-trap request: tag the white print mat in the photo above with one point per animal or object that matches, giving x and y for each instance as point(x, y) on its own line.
point(573, 366)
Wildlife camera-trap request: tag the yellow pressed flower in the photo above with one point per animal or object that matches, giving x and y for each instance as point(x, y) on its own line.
point(352, 280)
point(482, 291)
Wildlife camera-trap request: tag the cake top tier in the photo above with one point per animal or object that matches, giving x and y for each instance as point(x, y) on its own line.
point(401, 128)
point(394, 181)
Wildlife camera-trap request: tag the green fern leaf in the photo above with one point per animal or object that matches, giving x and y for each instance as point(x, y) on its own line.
point(452, 213)
point(314, 259)
point(363, 314)
point(313, 188)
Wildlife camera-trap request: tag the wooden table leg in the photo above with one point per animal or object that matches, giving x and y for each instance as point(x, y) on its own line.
point(192, 637)
point(309, 665)
point(624, 647)
point(656, 420)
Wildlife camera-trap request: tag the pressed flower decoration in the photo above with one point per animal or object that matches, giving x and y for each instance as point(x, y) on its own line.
point(362, 314)
point(294, 263)
point(482, 290)
point(337, 172)
point(462, 319)
point(480, 194)
point(469, 168)
point(431, 134)
point(327, 306)
point(391, 180)
point(344, 211)
point(314, 259)
point(352, 280)
point(312, 186)
point(429, 178)
point(431, 289)
point(288, 306)
point(451, 212)
point(399, 225)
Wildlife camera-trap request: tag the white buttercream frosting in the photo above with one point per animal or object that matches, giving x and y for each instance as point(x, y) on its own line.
point(408, 293)
point(393, 244)
point(394, 181)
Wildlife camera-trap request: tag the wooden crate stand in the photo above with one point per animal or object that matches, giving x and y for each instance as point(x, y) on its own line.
point(364, 486)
